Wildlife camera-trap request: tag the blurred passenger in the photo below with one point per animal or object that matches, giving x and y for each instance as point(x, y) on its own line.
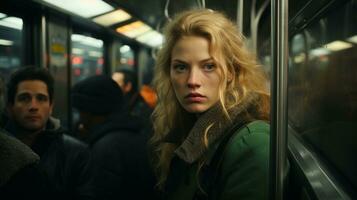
point(140, 103)
point(65, 160)
point(211, 136)
point(119, 147)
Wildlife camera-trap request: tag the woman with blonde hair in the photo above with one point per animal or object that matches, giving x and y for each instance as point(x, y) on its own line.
point(211, 137)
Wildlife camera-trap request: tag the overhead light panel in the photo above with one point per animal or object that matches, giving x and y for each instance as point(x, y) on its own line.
point(112, 18)
point(12, 22)
point(84, 8)
point(338, 45)
point(318, 52)
point(6, 42)
point(2, 15)
point(151, 38)
point(134, 29)
point(353, 39)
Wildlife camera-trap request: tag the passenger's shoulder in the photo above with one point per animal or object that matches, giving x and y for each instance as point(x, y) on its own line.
point(72, 142)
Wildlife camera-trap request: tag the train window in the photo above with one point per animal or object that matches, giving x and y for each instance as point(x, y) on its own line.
point(11, 44)
point(125, 58)
point(87, 57)
point(322, 90)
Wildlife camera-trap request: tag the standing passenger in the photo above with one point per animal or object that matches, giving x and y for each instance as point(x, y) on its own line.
point(118, 145)
point(211, 136)
point(65, 160)
point(140, 103)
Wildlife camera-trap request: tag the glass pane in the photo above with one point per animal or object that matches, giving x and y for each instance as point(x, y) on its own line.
point(87, 57)
point(322, 90)
point(11, 44)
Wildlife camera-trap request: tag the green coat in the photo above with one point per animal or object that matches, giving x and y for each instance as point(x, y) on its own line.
point(244, 170)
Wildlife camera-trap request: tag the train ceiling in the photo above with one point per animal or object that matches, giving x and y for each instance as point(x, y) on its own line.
point(139, 20)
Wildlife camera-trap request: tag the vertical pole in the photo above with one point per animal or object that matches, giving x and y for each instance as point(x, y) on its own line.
point(279, 57)
point(44, 62)
point(240, 15)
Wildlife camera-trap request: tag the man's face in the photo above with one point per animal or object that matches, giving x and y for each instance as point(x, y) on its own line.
point(32, 107)
point(119, 77)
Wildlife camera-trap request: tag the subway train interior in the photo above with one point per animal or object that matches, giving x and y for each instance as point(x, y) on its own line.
point(76, 39)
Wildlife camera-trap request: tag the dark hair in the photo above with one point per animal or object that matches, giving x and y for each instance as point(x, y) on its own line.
point(25, 74)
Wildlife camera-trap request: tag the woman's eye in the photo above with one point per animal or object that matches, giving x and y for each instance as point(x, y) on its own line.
point(180, 67)
point(209, 66)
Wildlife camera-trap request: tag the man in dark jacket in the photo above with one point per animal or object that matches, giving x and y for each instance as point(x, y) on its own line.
point(65, 160)
point(118, 146)
point(20, 176)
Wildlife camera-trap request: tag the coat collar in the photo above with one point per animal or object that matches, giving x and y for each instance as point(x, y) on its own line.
point(14, 155)
point(192, 148)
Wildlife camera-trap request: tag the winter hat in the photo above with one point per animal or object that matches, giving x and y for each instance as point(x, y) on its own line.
point(97, 95)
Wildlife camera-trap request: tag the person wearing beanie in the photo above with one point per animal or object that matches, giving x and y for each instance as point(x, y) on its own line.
point(115, 139)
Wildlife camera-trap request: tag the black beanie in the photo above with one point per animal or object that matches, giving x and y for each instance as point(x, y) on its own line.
point(97, 95)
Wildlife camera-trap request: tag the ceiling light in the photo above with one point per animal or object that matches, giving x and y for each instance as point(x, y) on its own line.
point(318, 52)
point(353, 39)
point(6, 42)
point(84, 8)
point(151, 38)
point(12, 22)
point(134, 29)
point(2, 15)
point(112, 18)
point(337, 45)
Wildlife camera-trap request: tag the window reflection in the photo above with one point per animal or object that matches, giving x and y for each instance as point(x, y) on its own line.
point(87, 57)
point(322, 90)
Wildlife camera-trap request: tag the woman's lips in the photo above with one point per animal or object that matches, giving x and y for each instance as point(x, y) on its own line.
point(195, 98)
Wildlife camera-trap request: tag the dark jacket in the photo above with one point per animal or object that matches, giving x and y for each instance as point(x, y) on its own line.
point(20, 176)
point(119, 150)
point(65, 161)
point(243, 173)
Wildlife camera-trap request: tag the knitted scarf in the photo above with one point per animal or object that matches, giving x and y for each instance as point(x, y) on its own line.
point(192, 148)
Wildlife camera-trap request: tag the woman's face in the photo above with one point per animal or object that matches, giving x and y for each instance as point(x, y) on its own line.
point(194, 75)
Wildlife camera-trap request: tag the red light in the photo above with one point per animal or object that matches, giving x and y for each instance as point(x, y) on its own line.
point(130, 61)
point(76, 60)
point(77, 72)
point(98, 71)
point(100, 61)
